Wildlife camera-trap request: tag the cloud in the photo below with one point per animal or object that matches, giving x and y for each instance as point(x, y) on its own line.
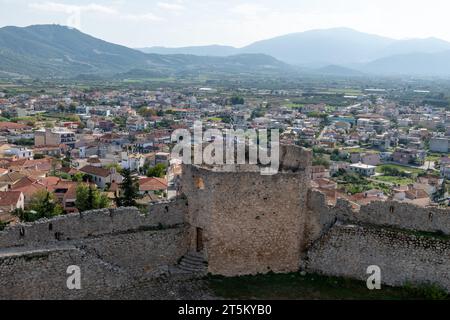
point(250, 9)
point(141, 17)
point(170, 6)
point(66, 8)
point(94, 8)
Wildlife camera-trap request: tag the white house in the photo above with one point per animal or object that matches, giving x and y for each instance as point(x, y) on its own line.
point(363, 169)
point(133, 162)
point(21, 153)
point(102, 177)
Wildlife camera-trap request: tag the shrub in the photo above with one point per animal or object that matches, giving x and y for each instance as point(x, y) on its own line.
point(3, 225)
point(427, 291)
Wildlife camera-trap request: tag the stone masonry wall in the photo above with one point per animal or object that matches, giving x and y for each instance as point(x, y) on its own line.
point(91, 224)
point(409, 243)
point(389, 213)
point(114, 249)
point(404, 257)
point(251, 223)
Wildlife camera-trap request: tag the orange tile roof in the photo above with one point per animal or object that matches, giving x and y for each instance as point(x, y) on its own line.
point(30, 189)
point(12, 126)
point(9, 198)
point(99, 172)
point(25, 181)
point(50, 181)
point(11, 177)
point(152, 184)
point(41, 164)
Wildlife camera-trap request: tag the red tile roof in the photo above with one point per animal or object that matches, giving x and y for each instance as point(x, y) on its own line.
point(12, 126)
point(152, 184)
point(25, 181)
point(41, 164)
point(9, 198)
point(94, 171)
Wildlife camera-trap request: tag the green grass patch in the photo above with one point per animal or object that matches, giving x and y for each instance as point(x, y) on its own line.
point(427, 291)
point(395, 180)
point(379, 169)
point(348, 92)
point(215, 119)
point(294, 286)
point(294, 105)
point(434, 157)
point(356, 150)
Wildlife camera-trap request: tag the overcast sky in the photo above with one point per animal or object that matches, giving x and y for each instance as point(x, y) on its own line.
point(141, 23)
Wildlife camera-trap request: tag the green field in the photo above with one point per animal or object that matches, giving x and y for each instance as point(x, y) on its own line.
point(395, 180)
point(294, 286)
point(215, 119)
point(399, 167)
point(344, 91)
point(360, 150)
point(435, 157)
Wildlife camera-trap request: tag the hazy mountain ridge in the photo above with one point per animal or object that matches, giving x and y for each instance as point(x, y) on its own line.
point(354, 52)
point(321, 47)
point(57, 51)
point(419, 64)
point(212, 50)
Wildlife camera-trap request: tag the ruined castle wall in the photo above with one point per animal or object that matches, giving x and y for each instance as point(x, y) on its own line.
point(201, 204)
point(407, 242)
point(41, 274)
point(403, 257)
point(114, 249)
point(253, 223)
point(167, 214)
point(389, 213)
point(92, 224)
point(142, 253)
point(295, 159)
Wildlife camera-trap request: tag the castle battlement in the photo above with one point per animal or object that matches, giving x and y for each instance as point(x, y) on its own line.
point(241, 222)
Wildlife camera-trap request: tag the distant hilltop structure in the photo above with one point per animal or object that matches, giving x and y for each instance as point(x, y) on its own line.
point(231, 223)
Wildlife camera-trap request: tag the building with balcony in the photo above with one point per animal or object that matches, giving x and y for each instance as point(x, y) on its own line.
point(55, 136)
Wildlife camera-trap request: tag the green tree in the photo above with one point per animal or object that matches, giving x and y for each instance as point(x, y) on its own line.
point(335, 155)
point(129, 190)
point(114, 166)
point(2, 225)
point(158, 171)
point(237, 100)
point(440, 193)
point(42, 205)
point(73, 118)
point(67, 161)
point(24, 142)
point(321, 161)
point(146, 112)
point(258, 113)
point(90, 198)
point(78, 177)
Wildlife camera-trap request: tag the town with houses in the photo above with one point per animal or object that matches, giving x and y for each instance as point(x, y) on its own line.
point(55, 146)
point(224, 151)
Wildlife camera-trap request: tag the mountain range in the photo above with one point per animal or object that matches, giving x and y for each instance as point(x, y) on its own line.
point(57, 51)
point(343, 47)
